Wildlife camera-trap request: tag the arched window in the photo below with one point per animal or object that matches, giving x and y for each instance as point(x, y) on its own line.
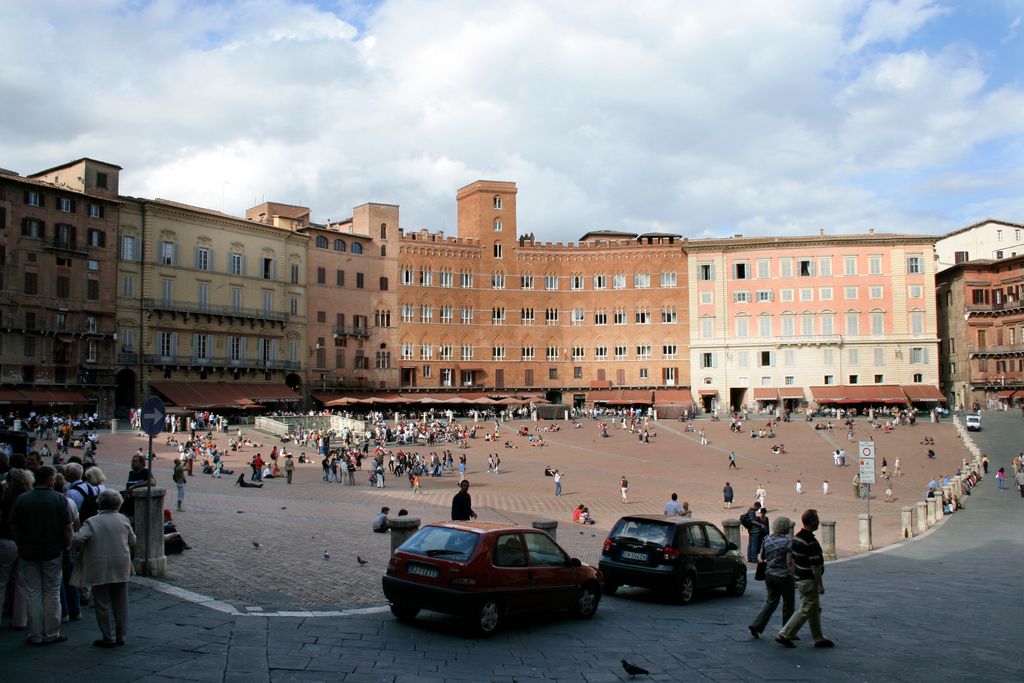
point(496, 202)
point(497, 225)
point(383, 284)
point(383, 250)
point(339, 245)
point(321, 242)
point(357, 248)
point(383, 231)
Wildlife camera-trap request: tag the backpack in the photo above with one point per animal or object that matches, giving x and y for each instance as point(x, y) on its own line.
point(89, 504)
point(745, 520)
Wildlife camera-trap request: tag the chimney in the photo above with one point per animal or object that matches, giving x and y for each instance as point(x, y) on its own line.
point(821, 232)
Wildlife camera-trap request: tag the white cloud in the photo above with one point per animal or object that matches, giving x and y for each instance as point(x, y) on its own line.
point(700, 118)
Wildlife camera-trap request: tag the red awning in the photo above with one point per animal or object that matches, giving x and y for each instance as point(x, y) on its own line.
point(601, 384)
point(766, 394)
point(54, 397)
point(708, 392)
point(622, 397)
point(1010, 393)
point(828, 394)
point(856, 393)
point(12, 396)
point(791, 392)
point(223, 394)
point(673, 397)
point(922, 392)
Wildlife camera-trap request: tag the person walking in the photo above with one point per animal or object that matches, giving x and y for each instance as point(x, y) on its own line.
point(760, 494)
point(41, 526)
point(732, 460)
point(1001, 478)
point(778, 579)
point(289, 467)
point(749, 522)
point(808, 565)
point(727, 496)
point(105, 545)
point(179, 478)
point(824, 487)
point(799, 488)
point(624, 488)
point(462, 504)
point(1019, 479)
point(984, 463)
point(896, 471)
point(672, 508)
point(558, 483)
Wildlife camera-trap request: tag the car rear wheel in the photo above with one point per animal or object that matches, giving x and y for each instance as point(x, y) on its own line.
point(739, 584)
point(586, 602)
point(610, 588)
point(488, 617)
point(687, 588)
point(404, 612)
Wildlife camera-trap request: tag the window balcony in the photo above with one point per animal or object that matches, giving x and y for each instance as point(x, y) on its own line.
point(193, 308)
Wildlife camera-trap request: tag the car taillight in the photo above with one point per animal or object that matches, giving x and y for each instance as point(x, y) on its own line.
point(671, 553)
point(607, 545)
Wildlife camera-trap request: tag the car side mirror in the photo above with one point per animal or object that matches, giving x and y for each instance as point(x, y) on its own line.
point(732, 546)
point(575, 562)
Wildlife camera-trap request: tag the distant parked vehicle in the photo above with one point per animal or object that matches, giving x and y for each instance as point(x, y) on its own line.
point(973, 423)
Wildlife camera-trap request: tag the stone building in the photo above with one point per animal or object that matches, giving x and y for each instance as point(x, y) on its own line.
point(987, 239)
point(58, 258)
point(829, 319)
point(981, 327)
point(603, 320)
point(211, 308)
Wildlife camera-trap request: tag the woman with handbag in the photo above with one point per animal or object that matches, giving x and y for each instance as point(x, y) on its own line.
point(778, 576)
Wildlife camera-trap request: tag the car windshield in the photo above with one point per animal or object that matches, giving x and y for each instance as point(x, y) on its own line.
point(439, 541)
point(644, 531)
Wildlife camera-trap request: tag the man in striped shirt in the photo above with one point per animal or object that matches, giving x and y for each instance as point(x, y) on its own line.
point(808, 564)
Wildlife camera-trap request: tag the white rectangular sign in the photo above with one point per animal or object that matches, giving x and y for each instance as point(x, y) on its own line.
point(866, 458)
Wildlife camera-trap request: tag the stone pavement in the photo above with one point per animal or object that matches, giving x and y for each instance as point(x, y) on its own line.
point(946, 605)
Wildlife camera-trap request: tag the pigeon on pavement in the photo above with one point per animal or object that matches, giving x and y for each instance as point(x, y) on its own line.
point(255, 544)
point(633, 669)
point(327, 555)
point(360, 560)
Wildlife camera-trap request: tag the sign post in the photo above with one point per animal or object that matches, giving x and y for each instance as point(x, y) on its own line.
point(153, 413)
point(867, 467)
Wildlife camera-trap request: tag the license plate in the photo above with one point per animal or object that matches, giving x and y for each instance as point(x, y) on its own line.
point(630, 555)
point(426, 570)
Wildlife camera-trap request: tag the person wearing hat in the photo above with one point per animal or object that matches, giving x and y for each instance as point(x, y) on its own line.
point(380, 522)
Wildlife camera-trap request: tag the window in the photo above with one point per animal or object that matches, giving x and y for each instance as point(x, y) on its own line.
point(807, 325)
point(643, 373)
point(497, 353)
point(552, 373)
point(741, 297)
point(552, 353)
point(806, 267)
point(829, 379)
point(917, 324)
point(577, 372)
point(789, 358)
point(853, 356)
point(407, 352)
point(740, 270)
point(914, 292)
point(407, 276)
point(497, 250)
point(466, 315)
point(707, 359)
point(668, 279)
point(445, 352)
point(96, 238)
point(92, 265)
point(918, 378)
point(601, 317)
point(742, 327)
point(360, 281)
point(382, 284)
point(128, 286)
point(619, 317)
point(268, 302)
point(669, 315)
point(875, 265)
point(321, 275)
point(526, 316)
point(825, 266)
point(825, 294)
point(879, 355)
point(642, 316)
point(269, 269)
point(235, 264)
point(849, 265)
point(444, 278)
point(641, 280)
point(293, 305)
point(496, 202)
point(550, 316)
point(765, 359)
point(999, 233)
point(600, 282)
point(426, 352)
point(498, 315)
point(877, 324)
point(764, 269)
point(356, 248)
point(620, 353)
point(236, 299)
point(32, 227)
point(849, 293)
point(828, 325)
point(601, 353)
point(961, 257)
point(65, 205)
point(447, 313)
point(577, 316)
point(293, 276)
point(101, 180)
point(497, 225)
point(854, 379)
point(706, 298)
point(526, 282)
point(853, 324)
point(528, 353)
point(875, 292)
point(764, 326)
point(806, 294)
point(498, 281)
point(92, 290)
point(914, 264)
point(550, 282)
point(788, 325)
point(321, 242)
point(706, 271)
point(168, 253)
point(426, 277)
point(578, 353)
point(786, 294)
point(33, 198)
point(426, 313)
point(763, 295)
point(339, 245)
point(618, 281)
point(669, 351)
point(785, 267)
point(576, 282)
point(707, 328)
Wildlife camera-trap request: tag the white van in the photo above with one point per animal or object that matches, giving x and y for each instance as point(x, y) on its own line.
point(973, 423)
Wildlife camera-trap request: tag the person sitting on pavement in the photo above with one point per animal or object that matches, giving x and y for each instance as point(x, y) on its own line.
point(380, 522)
point(246, 485)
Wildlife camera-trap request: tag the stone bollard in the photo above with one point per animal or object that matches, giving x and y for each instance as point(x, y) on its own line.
point(548, 526)
point(113, 426)
point(149, 558)
point(401, 529)
point(922, 517)
point(907, 521)
point(828, 539)
point(731, 527)
point(865, 531)
point(565, 415)
point(931, 511)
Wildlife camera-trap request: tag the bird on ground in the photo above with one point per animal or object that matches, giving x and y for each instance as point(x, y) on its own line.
point(327, 555)
point(633, 669)
point(360, 560)
point(256, 544)
point(238, 511)
point(284, 507)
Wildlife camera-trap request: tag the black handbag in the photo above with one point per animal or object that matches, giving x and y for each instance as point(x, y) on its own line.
point(759, 573)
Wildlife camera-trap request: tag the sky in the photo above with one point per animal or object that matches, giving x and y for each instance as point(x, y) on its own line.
point(691, 117)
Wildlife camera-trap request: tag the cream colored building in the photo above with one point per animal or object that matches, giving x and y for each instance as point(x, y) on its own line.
point(211, 308)
point(987, 239)
point(828, 319)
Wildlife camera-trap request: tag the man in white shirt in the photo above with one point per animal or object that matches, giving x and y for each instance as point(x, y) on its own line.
point(672, 508)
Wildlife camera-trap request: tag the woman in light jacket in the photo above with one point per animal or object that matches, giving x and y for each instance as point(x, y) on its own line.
point(104, 546)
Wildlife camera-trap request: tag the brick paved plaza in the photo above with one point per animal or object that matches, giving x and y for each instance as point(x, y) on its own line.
point(295, 524)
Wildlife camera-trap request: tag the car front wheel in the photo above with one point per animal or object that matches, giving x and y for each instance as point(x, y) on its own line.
point(739, 584)
point(586, 602)
point(687, 588)
point(404, 612)
point(488, 617)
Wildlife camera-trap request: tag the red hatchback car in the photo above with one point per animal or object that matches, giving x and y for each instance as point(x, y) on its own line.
point(486, 571)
